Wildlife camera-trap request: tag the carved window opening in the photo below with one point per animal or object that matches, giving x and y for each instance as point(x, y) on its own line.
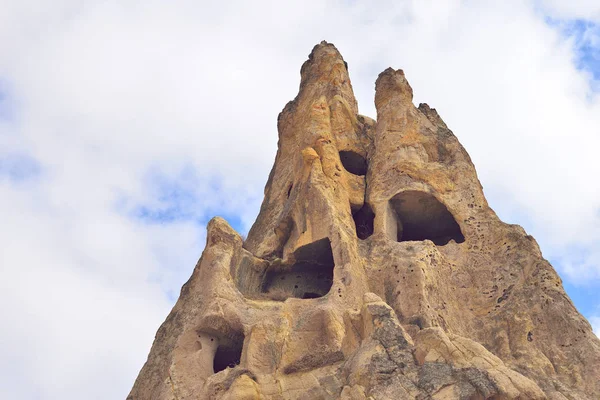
point(363, 221)
point(421, 216)
point(228, 355)
point(353, 162)
point(309, 277)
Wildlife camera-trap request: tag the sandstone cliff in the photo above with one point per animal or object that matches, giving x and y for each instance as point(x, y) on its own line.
point(375, 270)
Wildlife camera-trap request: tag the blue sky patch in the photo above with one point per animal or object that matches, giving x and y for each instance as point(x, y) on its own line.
point(585, 298)
point(184, 196)
point(170, 198)
point(18, 168)
point(586, 40)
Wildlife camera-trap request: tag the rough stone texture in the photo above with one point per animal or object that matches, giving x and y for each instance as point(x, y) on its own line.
point(375, 270)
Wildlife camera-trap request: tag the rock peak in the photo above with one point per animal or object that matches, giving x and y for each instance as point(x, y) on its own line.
point(324, 46)
point(391, 86)
point(374, 270)
point(323, 51)
point(326, 72)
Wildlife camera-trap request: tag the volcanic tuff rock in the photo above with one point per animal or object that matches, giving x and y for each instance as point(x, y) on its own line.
point(375, 270)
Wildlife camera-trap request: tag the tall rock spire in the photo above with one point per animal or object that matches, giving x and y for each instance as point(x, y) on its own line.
point(375, 270)
point(320, 119)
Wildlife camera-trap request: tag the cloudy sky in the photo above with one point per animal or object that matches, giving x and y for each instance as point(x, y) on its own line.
point(126, 125)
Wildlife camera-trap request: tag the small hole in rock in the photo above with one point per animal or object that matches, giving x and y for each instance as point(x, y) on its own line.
point(363, 221)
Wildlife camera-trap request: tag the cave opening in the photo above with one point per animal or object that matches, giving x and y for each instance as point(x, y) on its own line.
point(227, 355)
point(421, 216)
point(353, 162)
point(309, 277)
point(363, 221)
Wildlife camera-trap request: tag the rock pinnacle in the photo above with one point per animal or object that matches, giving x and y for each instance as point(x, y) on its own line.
point(375, 270)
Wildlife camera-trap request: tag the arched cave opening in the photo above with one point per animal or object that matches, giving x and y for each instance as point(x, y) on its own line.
point(363, 221)
point(309, 277)
point(421, 216)
point(228, 354)
point(353, 162)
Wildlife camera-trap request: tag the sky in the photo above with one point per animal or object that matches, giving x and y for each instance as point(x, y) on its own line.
point(126, 125)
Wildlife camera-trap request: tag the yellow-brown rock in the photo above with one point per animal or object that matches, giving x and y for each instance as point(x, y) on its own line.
point(375, 270)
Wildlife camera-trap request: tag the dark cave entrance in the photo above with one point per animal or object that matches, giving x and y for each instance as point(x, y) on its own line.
point(421, 216)
point(311, 275)
point(353, 162)
point(228, 355)
point(363, 221)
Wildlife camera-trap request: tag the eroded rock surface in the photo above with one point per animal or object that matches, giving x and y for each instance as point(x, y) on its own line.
point(375, 270)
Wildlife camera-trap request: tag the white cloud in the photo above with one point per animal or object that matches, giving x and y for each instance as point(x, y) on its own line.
point(82, 296)
point(572, 9)
point(113, 97)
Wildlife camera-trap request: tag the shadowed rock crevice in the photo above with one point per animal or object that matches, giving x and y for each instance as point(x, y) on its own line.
point(353, 162)
point(363, 221)
point(421, 216)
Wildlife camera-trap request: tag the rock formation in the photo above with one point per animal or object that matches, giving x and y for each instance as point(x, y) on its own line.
point(375, 270)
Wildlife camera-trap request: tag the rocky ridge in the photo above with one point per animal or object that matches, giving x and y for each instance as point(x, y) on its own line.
point(375, 270)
